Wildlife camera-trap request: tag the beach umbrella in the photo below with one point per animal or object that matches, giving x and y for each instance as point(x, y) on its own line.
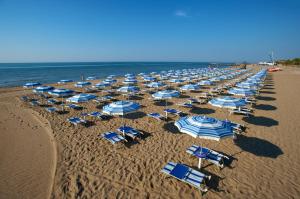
point(227, 102)
point(128, 89)
point(121, 108)
point(204, 127)
point(176, 80)
point(61, 92)
point(149, 78)
point(101, 85)
point(155, 85)
point(64, 81)
point(43, 89)
point(205, 82)
point(83, 97)
point(82, 84)
point(91, 78)
point(130, 81)
point(190, 87)
point(31, 84)
point(241, 91)
point(166, 94)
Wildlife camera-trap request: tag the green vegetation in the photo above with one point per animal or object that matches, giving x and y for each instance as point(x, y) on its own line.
point(295, 61)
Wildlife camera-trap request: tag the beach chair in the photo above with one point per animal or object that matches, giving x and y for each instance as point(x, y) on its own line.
point(24, 98)
point(241, 111)
point(51, 109)
point(35, 103)
point(186, 174)
point(238, 128)
point(172, 111)
point(186, 105)
point(113, 137)
point(156, 116)
point(207, 154)
point(98, 115)
point(76, 120)
point(74, 106)
point(193, 100)
point(52, 101)
point(131, 132)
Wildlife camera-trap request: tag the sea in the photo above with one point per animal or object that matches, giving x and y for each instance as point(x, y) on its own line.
point(17, 74)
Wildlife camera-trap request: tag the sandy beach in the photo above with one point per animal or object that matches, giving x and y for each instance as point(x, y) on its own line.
point(44, 156)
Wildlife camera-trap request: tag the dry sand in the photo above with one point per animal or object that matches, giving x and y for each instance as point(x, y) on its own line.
point(266, 162)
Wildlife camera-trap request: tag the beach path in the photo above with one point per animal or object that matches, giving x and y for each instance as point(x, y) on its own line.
point(27, 152)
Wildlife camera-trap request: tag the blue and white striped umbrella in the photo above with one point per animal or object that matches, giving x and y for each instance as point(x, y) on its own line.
point(121, 108)
point(83, 97)
point(109, 81)
point(91, 78)
point(82, 84)
point(61, 92)
point(227, 102)
point(241, 91)
point(101, 85)
point(176, 80)
point(166, 94)
point(204, 127)
point(155, 85)
point(128, 89)
point(43, 89)
point(64, 81)
point(130, 81)
point(149, 78)
point(191, 87)
point(205, 82)
point(31, 84)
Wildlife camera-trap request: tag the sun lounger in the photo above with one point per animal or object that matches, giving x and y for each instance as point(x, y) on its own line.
point(76, 120)
point(52, 101)
point(35, 103)
point(186, 105)
point(129, 131)
point(74, 106)
point(240, 111)
point(113, 137)
point(187, 175)
point(156, 116)
point(207, 154)
point(51, 109)
point(173, 111)
point(24, 98)
point(97, 114)
point(238, 128)
point(193, 100)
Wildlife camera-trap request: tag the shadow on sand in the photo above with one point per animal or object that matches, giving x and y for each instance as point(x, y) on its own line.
point(200, 111)
point(265, 98)
point(258, 147)
point(268, 92)
point(265, 107)
point(163, 103)
point(135, 115)
point(169, 126)
point(261, 121)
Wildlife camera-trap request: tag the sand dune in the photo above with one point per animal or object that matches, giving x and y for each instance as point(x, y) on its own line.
point(265, 163)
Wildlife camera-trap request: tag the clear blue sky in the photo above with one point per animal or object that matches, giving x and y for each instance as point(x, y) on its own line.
point(148, 30)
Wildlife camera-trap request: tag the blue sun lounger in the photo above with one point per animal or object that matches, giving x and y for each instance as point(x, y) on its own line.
point(113, 137)
point(156, 116)
point(97, 114)
point(207, 154)
point(187, 175)
point(172, 111)
point(51, 109)
point(52, 101)
point(186, 105)
point(74, 106)
point(35, 103)
point(76, 120)
point(129, 131)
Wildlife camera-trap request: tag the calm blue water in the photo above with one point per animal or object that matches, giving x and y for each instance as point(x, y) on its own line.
point(16, 74)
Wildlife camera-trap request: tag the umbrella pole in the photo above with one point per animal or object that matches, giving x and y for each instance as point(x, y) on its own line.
point(199, 163)
point(166, 111)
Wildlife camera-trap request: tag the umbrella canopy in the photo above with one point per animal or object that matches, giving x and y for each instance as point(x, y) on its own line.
point(61, 92)
point(82, 84)
point(121, 108)
point(91, 78)
point(204, 127)
point(149, 78)
point(155, 85)
point(176, 80)
point(241, 91)
point(43, 89)
point(205, 82)
point(31, 84)
point(227, 102)
point(130, 81)
point(64, 81)
point(191, 87)
point(166, 94)
point(83, 97)
point(128, 89)
point(101, 85)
